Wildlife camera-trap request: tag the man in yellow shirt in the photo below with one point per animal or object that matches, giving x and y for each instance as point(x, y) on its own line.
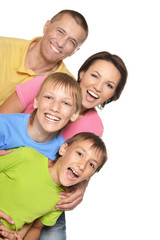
point(22, 59)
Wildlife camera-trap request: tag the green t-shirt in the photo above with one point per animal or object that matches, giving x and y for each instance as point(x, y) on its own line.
point(27, 190)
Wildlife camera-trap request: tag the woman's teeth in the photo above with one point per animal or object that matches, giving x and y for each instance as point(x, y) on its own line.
point(93, 94)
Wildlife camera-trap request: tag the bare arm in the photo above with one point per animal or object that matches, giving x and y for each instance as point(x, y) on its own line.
point(69, 200)
point(12, 105)
point(34, 231)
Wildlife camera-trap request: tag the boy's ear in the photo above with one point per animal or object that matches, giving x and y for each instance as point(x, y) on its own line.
point(63, 148)
point(35, 104)
point(75, 116)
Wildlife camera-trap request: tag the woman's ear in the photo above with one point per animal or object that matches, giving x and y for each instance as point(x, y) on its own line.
point(35, 104)
point(63, 148)
point(81, 74)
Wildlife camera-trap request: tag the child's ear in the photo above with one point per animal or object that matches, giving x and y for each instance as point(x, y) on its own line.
point(35, 104)
point(75, 116)
point(63, 148)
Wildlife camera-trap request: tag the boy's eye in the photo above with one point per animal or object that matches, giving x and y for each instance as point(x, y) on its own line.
point(79, 154)
point(48, 97)
point(66, 103)
point(91, 165)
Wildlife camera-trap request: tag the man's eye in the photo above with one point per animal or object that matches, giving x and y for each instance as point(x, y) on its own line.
point(73, 43)
point(60, 31)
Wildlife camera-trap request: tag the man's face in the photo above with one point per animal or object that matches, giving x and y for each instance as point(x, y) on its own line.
point(61, 38)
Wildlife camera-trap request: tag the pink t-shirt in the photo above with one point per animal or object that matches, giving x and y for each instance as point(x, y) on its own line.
point(27, 91)
point(90, 122)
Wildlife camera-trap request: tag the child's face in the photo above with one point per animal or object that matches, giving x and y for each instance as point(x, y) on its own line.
point(55, 107)
point(78, 162)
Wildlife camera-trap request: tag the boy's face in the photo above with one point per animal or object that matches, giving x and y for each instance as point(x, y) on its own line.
point(78, 162)
point(55, 107)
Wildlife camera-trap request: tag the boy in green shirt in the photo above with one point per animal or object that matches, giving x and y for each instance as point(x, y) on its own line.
point(31, 183)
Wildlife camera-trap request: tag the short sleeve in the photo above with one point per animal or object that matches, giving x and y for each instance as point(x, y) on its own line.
point(50, 218)
point(28, 90)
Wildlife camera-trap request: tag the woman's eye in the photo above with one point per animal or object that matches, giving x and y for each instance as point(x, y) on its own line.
point(91, 164)
point(109, 85)
point(94, 75)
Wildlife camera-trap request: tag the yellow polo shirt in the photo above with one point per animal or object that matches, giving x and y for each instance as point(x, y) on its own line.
point(13, 53)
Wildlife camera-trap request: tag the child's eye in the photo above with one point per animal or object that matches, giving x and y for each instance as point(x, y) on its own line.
point(48, 97)
point(91, 165)
point(66, 103)
point(79, 154)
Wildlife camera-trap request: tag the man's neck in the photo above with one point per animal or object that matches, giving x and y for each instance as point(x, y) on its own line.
point(36, 62)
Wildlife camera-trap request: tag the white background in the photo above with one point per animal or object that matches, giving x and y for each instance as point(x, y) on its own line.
point(122, 201)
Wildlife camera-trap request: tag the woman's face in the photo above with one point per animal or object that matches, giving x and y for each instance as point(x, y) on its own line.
point(99, 83)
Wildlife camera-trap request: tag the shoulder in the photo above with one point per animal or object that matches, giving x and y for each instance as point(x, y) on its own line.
point(13, 117)
point(62, 68)
point(7, 41)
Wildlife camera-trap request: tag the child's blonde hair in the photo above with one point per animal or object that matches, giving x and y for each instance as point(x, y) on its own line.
point(62, 80)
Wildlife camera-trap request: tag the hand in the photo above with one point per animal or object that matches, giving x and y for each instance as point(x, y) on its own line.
point(5, 152)
point(72, 197)
point(10, 236)
point(3, 230)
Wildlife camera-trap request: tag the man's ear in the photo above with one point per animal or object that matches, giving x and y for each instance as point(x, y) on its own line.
point(63, 148)
point(46, 26)
point(74, 52)
point(35, 104)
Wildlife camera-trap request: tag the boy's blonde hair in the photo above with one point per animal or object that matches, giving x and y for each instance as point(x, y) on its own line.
point(62, 80)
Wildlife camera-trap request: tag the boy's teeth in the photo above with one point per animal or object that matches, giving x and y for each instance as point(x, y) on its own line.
point(93, 94)
point(52, 117)
point(76, 174)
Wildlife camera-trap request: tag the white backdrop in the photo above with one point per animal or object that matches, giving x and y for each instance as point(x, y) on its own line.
point(122, 201)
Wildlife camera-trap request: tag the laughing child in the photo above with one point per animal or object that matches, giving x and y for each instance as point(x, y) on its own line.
point(57, 102)
point(30, 182)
